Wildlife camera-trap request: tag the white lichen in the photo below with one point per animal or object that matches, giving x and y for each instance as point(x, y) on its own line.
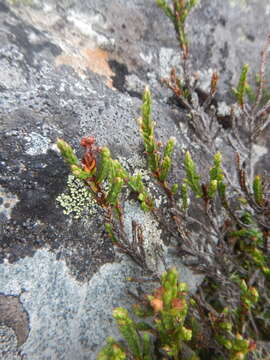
point(36, 144)
point(224, 109)
point(77, 201)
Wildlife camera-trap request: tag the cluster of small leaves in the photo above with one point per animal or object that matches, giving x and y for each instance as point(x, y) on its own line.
point(112, 351)
point(231, 317)
point(244, 253)
point(228, 325)
point(171, 330)
point(105, 180)
point(106, 171)
point(246, 243)
point(167, 307)
point(158, 164)
point(161, 168)
point(94, 176)
point(242, 87)
point(178, 13)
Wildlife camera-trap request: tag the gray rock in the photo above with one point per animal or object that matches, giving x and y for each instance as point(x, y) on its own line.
point(71, 68)
point(8, 344)
point(68, 319)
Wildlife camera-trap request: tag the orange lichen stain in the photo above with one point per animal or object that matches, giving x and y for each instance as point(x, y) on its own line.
point(96, 60)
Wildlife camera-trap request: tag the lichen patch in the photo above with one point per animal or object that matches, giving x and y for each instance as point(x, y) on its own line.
point(37, 144)
point(77, 201)
point(7, 202)
point(96, 60)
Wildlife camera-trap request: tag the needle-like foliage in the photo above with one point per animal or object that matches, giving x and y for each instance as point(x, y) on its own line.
point(178, 12)
point(242, 87)
point(216, 220)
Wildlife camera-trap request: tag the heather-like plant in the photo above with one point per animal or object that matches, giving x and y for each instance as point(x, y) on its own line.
point(172, 330)
point(167, 307)
point(229, 314)
point(228, 260)
point(105, 178)
point(178, 13)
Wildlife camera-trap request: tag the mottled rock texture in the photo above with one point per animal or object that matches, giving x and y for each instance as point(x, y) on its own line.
point(71, 68)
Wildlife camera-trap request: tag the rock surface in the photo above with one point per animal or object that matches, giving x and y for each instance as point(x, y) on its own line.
point(71, 68)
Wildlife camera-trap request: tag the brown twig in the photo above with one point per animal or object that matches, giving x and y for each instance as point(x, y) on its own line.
point(262, 76)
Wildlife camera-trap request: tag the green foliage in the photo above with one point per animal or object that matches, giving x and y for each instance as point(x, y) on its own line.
point(249, 296)
point(136, 184)
point(250, 233)
point(216, 173)
point(115, 189)
point(166, 8)
point(171, 307)
point(159, 164)
point(128, 330)
point(166, 163)
point(192, 177)
point(167, 331)
point(184, 197)
point(237, 346)
point(177, 324)
point(230, 244)
point(178, 14)
point(242, 87)
point(105, 179)
point(168, 306)
point(67, 152)
point(212, 189)
point(258, 190)
point(79, 173)
point(147, 126)
point(105, 164)
point(112, 351)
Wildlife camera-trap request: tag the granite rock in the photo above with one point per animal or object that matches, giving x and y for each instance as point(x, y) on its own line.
point(71, 68)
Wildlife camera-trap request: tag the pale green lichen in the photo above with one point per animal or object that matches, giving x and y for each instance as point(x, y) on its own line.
point(77, 201)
